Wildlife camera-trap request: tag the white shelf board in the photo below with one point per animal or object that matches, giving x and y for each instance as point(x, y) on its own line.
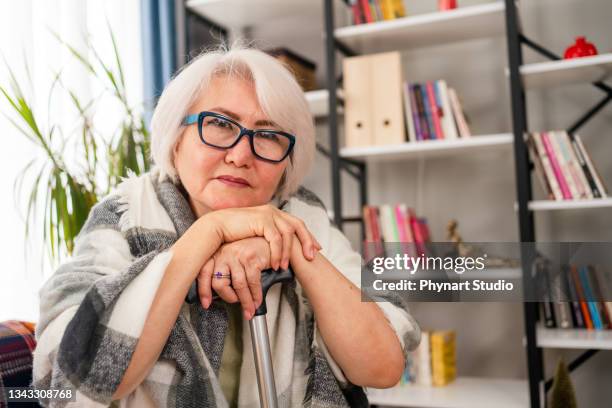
point(463, 23)
point(429, 148)
point(241, 13)
point(464, 392)
point(575, 70)
point(319, 102)
point(550, 205)
point(574, 338)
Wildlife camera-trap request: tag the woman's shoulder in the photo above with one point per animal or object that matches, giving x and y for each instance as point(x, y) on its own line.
point(307, 206)
point(118, 208)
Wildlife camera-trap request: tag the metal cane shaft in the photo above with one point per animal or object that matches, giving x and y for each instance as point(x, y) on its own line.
point(263, 362)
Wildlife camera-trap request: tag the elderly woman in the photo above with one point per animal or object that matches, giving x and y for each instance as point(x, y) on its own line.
point(232, 138)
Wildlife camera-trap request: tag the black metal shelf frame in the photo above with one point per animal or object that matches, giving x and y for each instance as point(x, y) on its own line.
point(516, 39)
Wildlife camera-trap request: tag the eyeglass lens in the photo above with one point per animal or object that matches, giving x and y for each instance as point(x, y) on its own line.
point(222, 133)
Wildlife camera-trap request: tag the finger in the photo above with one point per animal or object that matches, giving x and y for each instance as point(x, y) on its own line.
point(253, 277)
point(286, 230)
point(241, 287)
point(308, 241)
point(204, 283)
point(274, 238)
point(223, 285)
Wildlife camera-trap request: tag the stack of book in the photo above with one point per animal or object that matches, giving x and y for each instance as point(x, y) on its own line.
point(433, 112)
point(369, 11)
point(382, 109)
point(564, 167)
point(586, 302)
point(394, 223)
point(434, 361)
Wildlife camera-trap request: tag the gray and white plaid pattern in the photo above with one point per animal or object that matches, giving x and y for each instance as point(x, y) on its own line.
point(94, 306)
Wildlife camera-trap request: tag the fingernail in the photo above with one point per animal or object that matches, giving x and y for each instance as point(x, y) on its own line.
point(311, 252)
point(205, 303)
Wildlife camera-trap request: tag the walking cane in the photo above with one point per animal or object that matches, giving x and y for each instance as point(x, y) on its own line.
point(259, 335)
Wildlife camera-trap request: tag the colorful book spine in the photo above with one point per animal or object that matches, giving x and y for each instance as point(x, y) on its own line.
point(428, 112)
point(577, 320)
point(586, 315)
point(435, 108)
point(575, 168)
point(600, 189)
point(547, 166)
point(425, 131)
point(588, 292)
point(416, 119)
point(555, 166)
point(367, 12)
point(443, 357)
point(564, 164)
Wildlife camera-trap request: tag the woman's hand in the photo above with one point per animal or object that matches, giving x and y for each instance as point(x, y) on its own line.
point(266, 221)
point(243, 260)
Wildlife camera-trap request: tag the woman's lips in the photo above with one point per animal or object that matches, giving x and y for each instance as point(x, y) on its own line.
point(233, 181)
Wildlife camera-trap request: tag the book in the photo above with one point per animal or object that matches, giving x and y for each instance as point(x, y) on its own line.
point(448, 123)
point(577, 320)
point(599, 297)
point(547, 166)
point(564, 163)
point(443, 357)
point(600, 190)
point(424, 125)
point(590, 297)
point(576, 170)
point(435, 109)
point(409, 114)
point(423, 352)
point(586, 315)
point(458, 115)
point(416, 119)
point(550, 153)
point(540, 173)
point(562, 306)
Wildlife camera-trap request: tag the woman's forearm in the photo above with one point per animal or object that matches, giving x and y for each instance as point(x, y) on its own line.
point(356, 333)
point(189, 253)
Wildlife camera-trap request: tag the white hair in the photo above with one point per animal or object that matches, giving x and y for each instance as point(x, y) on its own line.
point(278, 93)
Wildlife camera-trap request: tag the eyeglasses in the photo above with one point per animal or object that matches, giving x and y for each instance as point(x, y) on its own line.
point(222, 132)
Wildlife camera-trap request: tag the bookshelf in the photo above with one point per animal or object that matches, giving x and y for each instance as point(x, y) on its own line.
point(465, 23)
point(499, 143)
point(566, 72)
point(574, 338)
point(473, 392)
point(524, 77)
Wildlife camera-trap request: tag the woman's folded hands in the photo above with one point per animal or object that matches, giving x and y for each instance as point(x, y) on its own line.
point(254, 239)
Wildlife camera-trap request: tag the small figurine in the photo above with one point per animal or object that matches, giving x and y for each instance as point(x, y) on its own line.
point(581, 48)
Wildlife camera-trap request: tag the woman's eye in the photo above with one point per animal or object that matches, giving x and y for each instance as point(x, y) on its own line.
point(219, 123)
point(269, 136)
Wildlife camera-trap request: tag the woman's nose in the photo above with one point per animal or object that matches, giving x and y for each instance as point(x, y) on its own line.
point(241, 154)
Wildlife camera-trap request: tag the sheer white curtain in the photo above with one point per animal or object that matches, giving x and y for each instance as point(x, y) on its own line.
point(26, 28)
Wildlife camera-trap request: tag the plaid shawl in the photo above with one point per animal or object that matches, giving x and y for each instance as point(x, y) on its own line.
point(94, 306)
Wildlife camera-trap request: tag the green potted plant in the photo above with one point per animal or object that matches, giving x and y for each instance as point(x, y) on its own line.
point(64, 191)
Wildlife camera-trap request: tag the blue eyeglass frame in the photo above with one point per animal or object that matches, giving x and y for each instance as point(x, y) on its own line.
point(199, 119)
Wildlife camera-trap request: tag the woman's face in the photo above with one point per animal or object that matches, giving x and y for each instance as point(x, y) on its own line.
point(215, 178)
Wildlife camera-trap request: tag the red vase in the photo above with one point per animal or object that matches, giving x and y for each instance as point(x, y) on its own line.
point(447, 4)
point(582, 48)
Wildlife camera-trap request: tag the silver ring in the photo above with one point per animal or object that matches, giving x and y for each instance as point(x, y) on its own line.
point(220, 275)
